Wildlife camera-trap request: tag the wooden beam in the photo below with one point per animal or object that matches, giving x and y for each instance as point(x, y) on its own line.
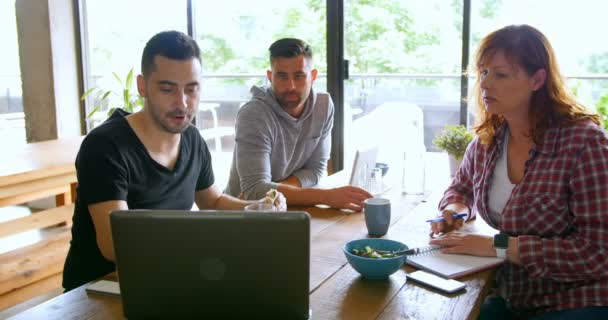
point(63, 199)
point(73, 191)
point(33, 190)
point(38, 220)
point(33, 195)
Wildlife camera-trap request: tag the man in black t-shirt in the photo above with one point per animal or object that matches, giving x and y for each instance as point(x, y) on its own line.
point(152, 159)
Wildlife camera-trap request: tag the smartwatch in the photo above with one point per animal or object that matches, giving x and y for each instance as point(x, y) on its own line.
point(501, 243)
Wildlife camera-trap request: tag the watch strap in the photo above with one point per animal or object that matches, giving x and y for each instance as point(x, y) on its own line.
point(501, 243)
point(501, 253)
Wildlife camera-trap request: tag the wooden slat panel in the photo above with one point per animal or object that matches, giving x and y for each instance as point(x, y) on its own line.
point(73, 192)
point(13, 302)
point(37, 189)
point(30, 196)
point(29, 264)
point(38, 220)
point(64, 198)
point(63, 180)
point(36, 175)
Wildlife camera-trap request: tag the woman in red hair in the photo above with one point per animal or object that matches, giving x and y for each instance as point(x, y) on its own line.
point(538, 172)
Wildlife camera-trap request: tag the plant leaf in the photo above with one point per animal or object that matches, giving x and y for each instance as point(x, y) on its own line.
point(105, 95)
point(139, 101)
point(87, 93)
point(129, 80)
point(117, 78)
point(129, 101)
point(93, 111)
point(126, 100)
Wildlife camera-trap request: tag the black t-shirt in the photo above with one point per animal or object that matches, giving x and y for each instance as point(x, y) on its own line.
point(113, 164)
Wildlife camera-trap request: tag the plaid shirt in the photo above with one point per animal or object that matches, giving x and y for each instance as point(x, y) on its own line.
point(559, 212)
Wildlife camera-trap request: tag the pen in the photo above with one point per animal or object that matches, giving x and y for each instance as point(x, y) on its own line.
point(455, 216)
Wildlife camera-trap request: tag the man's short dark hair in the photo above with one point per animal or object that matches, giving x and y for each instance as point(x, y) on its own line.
point(169, 44)
point(289, 48)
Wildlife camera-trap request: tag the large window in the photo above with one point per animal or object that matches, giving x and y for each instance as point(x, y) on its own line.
point(404, 83)
point(583, 59)
point(405, 57)
point(12, 123)
point(234, 39)
point(116, 32)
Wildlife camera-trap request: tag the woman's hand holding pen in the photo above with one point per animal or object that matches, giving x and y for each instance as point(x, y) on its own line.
point(448, 222)
point(452, 218)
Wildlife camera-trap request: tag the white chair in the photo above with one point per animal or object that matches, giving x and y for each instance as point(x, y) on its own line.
point(215, 132)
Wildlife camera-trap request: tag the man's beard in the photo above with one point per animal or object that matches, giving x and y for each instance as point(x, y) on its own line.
point(290, 104)
point(163, 120)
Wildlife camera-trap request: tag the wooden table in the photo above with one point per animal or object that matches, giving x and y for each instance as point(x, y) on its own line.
point(37, 170)
point(337, 291)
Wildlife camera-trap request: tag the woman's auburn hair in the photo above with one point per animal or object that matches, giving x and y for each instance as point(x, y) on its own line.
point(550, 105)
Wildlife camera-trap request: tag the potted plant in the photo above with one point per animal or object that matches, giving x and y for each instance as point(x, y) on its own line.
point(130, 101)
point(454, 139)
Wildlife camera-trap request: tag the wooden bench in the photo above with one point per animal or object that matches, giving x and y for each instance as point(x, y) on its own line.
point(25, 266)
point(32, 272)
point(35, 271)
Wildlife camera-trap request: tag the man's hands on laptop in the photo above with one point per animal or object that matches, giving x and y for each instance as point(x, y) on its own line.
point(347, 197)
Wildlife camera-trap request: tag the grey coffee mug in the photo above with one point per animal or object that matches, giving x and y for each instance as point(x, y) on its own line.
point(377, 216)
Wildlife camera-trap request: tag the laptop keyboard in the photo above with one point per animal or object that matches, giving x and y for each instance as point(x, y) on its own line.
point(374, 186)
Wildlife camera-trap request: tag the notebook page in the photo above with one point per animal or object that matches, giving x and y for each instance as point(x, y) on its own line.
point(104, 287)
point(451, 265)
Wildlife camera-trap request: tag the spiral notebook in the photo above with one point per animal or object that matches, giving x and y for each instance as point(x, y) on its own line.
point(450, 265)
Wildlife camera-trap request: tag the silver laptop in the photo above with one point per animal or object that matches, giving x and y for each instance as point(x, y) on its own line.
point(363, 163)
point(212, 264)
point(360, 176)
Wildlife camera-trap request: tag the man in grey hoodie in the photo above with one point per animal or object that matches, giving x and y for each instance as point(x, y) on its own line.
point(283, 135)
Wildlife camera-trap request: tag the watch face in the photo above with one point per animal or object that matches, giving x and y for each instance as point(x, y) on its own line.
point(501, 240)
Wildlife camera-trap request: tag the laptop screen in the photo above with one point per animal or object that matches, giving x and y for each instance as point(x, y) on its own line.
point(361, 173)
point(176, 264)
point(364, 163)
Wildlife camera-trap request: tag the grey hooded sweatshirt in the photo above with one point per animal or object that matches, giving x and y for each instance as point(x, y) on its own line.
point(271, 145)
